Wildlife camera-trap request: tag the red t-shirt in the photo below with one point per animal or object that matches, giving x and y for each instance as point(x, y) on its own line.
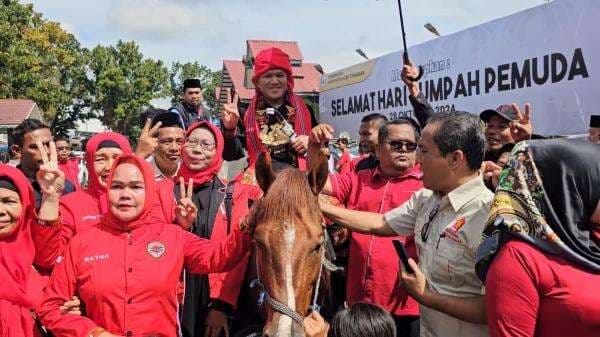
point(71, 170)
point(530, 293)
point(344, 163)
point(373, 262)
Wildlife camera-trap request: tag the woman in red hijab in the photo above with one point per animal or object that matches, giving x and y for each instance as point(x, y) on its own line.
point(126, 269)
point(21, 290)
point(80, 210)
point(266, 131)
point(210, 300)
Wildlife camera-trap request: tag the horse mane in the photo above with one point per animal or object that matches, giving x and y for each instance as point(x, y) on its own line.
point(289, 198)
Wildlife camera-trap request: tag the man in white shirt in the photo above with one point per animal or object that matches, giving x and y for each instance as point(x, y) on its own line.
point(160, 143)
point(447, 218)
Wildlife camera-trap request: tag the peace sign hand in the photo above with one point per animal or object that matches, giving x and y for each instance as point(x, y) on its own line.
point(50, 178)
point(186, 211)
point(521, 128)
point(148, 140)
point(230, 114)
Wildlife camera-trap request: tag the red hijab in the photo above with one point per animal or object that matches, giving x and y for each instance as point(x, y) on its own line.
point(94, 188)
point(152, 213)
point(266, 60)
point(208, 173)
point(17, 251)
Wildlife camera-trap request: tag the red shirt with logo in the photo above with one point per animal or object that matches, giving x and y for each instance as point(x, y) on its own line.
point(373, 263)
point(128, 280)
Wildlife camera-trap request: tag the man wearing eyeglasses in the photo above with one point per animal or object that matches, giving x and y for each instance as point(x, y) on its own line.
point(67, 164)
point(447, 219)
point(371, 277)
point(160, 143)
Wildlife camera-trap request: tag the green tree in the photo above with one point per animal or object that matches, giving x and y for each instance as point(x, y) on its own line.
point(124, 84)
point(182, 71)
point(42, 62)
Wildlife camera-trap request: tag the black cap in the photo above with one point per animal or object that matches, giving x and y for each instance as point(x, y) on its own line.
point(595, 121)
point(166, 117)
point(505, 111)
point(192, 83)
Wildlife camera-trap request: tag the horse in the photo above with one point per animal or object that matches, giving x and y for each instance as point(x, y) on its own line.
point(289, 238)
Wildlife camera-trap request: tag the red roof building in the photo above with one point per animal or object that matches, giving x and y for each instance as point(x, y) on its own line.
point(238, 74)
point(13, 112)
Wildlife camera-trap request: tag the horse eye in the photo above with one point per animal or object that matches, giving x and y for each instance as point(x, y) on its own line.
point(317, 247)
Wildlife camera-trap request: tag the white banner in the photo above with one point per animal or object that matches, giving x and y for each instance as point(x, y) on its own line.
point(547, 55)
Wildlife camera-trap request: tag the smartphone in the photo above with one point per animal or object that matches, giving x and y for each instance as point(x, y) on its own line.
point(401, 251)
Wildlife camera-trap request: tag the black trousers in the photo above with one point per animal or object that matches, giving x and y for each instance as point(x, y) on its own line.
point(407, 326)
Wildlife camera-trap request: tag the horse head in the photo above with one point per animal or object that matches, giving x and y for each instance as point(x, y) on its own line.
point(289, 238)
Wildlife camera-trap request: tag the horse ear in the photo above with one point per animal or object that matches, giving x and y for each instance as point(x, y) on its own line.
point(265, 175)
point(318, 174)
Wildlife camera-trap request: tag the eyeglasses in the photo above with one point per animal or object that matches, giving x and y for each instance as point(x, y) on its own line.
point(205, 144)
point(398, 145)
point(425, 230)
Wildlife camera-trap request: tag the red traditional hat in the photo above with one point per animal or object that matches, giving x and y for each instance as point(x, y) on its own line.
point(273, 58)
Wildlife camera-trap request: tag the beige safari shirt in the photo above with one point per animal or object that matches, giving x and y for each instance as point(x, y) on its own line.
point(447, 258)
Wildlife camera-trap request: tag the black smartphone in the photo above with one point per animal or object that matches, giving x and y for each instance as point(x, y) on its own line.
point(401, 251)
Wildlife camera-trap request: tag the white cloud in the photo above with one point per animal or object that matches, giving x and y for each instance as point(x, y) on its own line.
point(70, 28)
point(153, 19)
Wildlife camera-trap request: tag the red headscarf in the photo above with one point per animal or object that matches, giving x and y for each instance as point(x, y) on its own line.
point(17, 251)
point(266, 60)
point(208, 173)
point(94, 188)
point(152, 212)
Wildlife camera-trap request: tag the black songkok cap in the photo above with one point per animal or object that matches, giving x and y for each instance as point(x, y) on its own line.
point(595, 121)
point(192, 83)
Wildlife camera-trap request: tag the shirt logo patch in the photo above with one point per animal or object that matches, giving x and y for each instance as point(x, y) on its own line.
point(156, 249)
point(458, 224)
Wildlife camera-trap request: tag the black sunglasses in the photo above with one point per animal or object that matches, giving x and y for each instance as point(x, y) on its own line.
point(427, 226)
point(397, 145)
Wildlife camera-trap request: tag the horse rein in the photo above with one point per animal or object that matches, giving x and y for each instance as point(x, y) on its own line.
point(280, 307)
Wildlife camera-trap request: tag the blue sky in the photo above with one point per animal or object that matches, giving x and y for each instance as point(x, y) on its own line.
point(209, 31)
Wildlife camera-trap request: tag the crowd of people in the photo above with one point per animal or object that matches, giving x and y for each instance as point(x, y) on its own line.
point(501, 226)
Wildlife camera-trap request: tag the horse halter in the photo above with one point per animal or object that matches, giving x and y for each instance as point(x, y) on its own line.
point(326, 249)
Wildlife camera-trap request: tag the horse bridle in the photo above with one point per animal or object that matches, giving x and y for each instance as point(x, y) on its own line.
point(326, 249)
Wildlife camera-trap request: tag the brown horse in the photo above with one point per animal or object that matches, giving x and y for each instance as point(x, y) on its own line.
point(289, 237)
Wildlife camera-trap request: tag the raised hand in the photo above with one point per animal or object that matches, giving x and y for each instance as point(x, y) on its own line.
point(148, 140)
point(321, 133)
point(521, 128)
point(186, 211)
point(50, 178)
point(410, 71)
point(230, 114)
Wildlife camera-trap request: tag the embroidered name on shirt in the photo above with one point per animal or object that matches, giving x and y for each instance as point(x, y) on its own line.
point(90, 217)
point(95, 258)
